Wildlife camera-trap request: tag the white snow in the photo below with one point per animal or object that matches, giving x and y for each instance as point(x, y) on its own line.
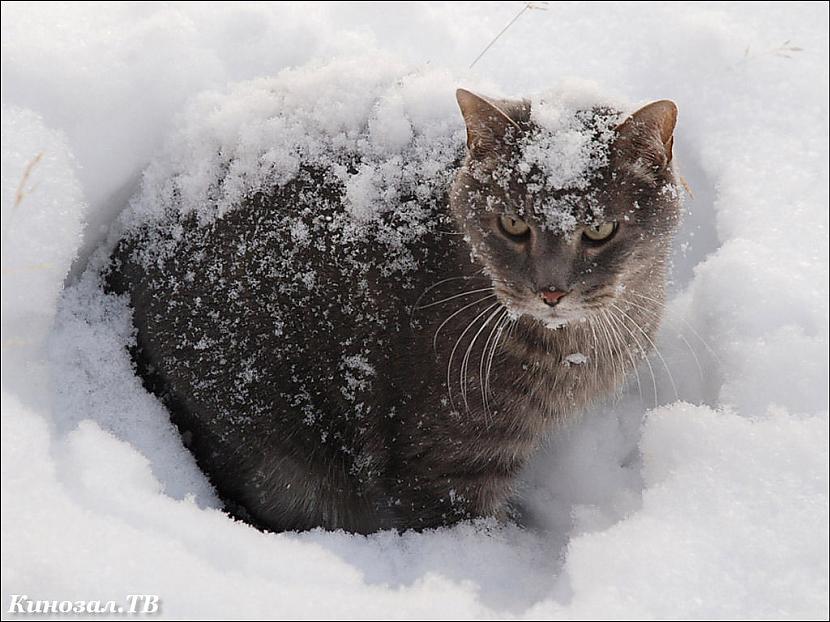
point(336, 113)
point(567, 155)
point(577, 358)
point(708, 501)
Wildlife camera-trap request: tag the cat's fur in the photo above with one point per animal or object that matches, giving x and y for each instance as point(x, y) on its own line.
point(363, 401)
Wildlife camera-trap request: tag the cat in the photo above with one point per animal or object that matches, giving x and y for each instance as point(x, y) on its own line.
point(402, 381)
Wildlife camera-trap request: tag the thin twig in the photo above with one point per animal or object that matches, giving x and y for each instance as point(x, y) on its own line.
point(20, 194)
point(528, 5)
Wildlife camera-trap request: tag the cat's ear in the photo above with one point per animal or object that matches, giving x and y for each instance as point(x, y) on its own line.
point(489, 125)
point(649, 132)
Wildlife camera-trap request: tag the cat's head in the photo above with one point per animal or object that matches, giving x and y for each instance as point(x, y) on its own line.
point(567, 208)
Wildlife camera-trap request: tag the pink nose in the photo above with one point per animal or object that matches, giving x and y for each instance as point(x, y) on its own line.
point(551, 298)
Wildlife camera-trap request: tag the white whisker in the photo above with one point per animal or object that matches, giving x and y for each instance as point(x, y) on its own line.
point(444, 323)
point(595, 354)
point(611, 357)
point(439, 302)
point(642, 351)
point(654, 346)
point(687, 324)
point(679, 334)
point(441, 282)
point(485, 384)
point(465, 360)
point(621, 345)
point(455, 347)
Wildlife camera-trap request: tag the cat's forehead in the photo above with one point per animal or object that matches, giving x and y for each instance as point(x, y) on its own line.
point(566, 149)
point(562, 164)
point(565, 211)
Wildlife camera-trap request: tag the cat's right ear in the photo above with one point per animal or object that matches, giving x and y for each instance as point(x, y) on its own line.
point(649, 132)
point(488, 126)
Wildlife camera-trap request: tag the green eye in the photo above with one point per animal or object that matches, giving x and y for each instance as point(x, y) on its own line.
point(513, 226)
point(600, 233)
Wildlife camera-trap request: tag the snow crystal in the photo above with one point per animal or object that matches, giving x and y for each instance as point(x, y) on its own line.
point(359, 363)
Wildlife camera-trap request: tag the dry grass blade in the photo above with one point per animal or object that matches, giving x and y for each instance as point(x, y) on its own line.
point(20, 193)
point(529, 6)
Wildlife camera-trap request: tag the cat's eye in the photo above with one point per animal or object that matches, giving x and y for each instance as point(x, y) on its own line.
point(599, 233)
point(513, 226)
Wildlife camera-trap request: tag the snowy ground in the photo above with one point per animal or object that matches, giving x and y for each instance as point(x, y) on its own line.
point(708, 502)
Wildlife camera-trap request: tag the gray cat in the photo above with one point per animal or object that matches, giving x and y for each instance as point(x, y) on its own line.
point(402, 380)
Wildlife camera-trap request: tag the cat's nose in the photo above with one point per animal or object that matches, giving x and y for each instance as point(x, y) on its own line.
point(551, 297)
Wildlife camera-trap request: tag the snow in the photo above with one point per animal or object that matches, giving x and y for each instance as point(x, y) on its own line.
point(259, 132)
point(577, 358)
point(566, 153)
point(708, 500)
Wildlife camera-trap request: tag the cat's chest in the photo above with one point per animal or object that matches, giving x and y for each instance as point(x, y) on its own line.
point(549, 379)
point(514, 377)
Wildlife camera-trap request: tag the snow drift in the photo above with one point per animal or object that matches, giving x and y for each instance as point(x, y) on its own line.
point(704, 497)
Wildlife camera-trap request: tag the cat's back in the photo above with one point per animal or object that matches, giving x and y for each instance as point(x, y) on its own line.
point(271, 258)
point(279, 338)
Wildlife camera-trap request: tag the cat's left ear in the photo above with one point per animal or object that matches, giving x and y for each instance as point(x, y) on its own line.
point(489, 126)
point(650, 131)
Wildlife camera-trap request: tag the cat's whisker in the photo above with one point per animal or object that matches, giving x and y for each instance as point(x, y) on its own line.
point(655, 315)
point(688, 325)
point(514, 323)
point(461, 295)
point(642, 352)
point(656, 349)
point(466, 359)
point(485, 379)
point(484, 352)
point(595, 356)
point(624, 346)
point(455, 347)
point(439, 283)
point(621, 346)
point(444, 323)
point(464, 277)
point(694, 355)
point(506, 320)
point(604, 331)
point(617, 362)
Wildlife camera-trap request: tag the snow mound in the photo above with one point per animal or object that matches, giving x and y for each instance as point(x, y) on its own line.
point(43, 211)
point(381, 130)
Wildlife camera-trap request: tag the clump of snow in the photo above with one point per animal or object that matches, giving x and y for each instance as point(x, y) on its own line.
point(380, 139)
point(560, 157)
point(571, 140)
point(714, 506)
point(363, 120)
point(573, 129)
point(87, 350)
point(577, 358)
